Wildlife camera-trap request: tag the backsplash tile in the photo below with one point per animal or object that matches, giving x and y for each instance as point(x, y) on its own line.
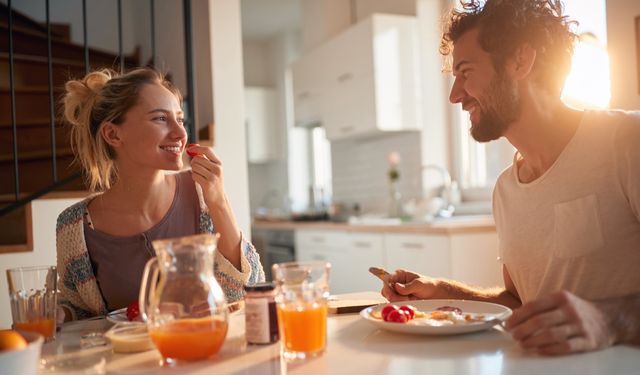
point(360, 170)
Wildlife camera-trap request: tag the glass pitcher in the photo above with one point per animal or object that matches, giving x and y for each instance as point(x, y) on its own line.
point(181, 301)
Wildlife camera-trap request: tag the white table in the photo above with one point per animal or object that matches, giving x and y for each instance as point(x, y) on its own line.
point(357, 347)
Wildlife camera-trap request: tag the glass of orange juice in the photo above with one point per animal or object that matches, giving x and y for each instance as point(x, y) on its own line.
point(301, 298)
point(33, 296)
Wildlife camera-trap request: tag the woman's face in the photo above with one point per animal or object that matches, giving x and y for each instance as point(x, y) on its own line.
point(152, 135)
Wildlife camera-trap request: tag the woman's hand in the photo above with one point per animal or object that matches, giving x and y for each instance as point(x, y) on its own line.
point(206, 170)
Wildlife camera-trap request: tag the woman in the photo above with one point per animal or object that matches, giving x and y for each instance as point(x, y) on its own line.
point(127, 131)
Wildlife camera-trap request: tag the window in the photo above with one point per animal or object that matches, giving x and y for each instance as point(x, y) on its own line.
point(478, 165)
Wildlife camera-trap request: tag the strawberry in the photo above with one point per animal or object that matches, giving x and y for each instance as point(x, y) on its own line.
point(193, 154)
point(133, 311)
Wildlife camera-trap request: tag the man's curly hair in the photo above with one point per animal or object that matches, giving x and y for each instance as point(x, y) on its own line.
point(505, 25)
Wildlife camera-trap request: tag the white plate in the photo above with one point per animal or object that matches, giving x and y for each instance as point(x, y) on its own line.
point(117, 316)
point(491, 311)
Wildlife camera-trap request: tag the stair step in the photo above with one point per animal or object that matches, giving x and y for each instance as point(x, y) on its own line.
point(35, 155)
point(35, 174)
point(28, 42)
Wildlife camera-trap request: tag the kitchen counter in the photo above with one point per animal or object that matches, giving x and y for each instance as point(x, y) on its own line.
point(457, 224)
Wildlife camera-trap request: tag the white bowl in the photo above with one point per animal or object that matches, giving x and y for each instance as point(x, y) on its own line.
point(24, 361)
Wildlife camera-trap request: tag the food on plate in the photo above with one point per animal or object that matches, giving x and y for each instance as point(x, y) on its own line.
point(444, 315)
point(192, 153)
point(11, 340)
point(133, 311)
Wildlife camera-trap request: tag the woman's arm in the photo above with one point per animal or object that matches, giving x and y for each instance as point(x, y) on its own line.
point(207, 172)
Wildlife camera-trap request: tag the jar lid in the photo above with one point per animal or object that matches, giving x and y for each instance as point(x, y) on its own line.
point(259, 287)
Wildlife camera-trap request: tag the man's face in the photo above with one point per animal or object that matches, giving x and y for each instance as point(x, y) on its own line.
point(490, 97)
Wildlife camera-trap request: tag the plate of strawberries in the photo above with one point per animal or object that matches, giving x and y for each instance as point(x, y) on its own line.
point(436, 317)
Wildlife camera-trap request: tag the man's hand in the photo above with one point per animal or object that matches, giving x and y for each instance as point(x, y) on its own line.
point(407, 285)
point(560, 323)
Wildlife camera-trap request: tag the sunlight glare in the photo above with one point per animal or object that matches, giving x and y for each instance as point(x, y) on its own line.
point(588, 85)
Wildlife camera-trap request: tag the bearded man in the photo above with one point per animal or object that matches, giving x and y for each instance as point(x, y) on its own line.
point(567, 210)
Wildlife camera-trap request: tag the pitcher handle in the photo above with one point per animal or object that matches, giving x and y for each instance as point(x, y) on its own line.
point(147, 290)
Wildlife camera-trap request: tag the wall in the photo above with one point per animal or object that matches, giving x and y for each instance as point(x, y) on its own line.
point(624, 59)
point(228, 100)
point(44, 213)
point(265, 64)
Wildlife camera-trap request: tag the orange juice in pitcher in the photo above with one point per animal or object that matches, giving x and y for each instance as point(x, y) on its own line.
point(189, 339)
point(181, 301)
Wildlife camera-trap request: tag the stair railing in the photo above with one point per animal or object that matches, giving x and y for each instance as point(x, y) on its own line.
point(23, 198)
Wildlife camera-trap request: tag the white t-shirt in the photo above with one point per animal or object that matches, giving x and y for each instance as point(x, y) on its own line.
point(576, 227)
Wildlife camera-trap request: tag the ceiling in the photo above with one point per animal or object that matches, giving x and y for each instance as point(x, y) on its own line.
point(261, 19)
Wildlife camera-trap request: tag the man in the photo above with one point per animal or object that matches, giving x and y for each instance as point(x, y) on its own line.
point(568, 210)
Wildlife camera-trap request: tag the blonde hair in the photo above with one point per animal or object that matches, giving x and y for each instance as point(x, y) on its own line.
point(103, 96)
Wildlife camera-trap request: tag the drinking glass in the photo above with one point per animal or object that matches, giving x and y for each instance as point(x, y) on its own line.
point(33, 296)
point(301, 298)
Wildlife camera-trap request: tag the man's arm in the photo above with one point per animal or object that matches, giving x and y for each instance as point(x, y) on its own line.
point(409, 285)
point(624, 318)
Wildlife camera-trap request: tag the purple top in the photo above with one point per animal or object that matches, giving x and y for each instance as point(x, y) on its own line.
point(118, 262)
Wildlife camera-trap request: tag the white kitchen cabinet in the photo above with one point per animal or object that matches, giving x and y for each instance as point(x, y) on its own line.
point(308, 89)
point(424, 254)
point(261, 110)
point(364, 250)
point(474, 259)
point(363, 82)
point(467, 257)
point(328, 246)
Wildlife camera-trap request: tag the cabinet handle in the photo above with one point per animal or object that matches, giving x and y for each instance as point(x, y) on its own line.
point(304, 95)
point(347, 129)
point(362, 244)
point(412, 245)
point(345, 77)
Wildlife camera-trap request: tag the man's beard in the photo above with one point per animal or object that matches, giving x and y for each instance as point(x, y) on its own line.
point(500, 107)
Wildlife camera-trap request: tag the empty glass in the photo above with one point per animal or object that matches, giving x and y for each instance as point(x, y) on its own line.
point(33, 296)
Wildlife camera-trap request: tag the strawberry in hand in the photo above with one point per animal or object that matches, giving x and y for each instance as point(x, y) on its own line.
point(193, 154)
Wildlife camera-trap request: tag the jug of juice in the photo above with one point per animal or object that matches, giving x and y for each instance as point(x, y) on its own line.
point(181, 301)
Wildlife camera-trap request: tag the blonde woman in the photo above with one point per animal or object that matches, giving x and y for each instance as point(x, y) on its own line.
point(127, 130)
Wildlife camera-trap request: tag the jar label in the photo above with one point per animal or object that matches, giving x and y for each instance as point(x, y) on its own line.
point(257, 321)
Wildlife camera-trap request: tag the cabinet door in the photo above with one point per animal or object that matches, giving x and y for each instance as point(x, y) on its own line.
point(424, 254)
point(328, 246)
point(474, 259)
point(365, 250)
point(307, 90)
point(261, 109)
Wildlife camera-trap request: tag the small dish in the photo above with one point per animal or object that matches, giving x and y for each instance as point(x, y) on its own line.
point(129, 337)
point(22, 361)
point(117, 316)
point(84, 361)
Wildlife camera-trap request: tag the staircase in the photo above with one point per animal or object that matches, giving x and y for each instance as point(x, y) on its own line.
point(33, 116)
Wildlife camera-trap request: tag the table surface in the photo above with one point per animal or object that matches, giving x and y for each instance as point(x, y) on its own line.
point(357, 347)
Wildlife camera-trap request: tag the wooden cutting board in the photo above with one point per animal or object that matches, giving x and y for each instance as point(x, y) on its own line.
point(350, 306)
